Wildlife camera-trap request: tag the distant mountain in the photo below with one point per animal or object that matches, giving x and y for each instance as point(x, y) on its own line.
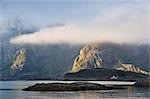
point(102, 61)
point(130, 68)
point(40, 61)
point(109, 55)
point(89, 57)
point(52, 61)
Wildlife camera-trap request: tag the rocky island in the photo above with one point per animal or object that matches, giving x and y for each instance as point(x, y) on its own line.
point(76, 86)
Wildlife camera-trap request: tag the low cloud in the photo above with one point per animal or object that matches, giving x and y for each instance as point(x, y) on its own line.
point(121, 25)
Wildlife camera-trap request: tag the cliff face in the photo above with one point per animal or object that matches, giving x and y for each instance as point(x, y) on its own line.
point(19, 61)
point(95, 55)
point(88, 58)
point(131, 68)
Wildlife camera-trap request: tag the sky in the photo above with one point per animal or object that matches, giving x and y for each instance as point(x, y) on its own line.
point(121, 21)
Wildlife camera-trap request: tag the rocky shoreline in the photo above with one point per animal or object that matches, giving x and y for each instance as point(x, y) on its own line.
point(76, 86)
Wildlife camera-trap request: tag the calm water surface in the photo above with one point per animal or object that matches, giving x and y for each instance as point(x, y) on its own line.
point(13, 90)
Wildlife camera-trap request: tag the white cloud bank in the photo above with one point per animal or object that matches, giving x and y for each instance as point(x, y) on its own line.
point(120, 24)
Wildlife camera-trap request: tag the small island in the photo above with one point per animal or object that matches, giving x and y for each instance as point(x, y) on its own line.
point(76, 86)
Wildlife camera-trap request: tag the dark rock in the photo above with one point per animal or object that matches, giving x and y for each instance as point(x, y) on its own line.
point(67, 87)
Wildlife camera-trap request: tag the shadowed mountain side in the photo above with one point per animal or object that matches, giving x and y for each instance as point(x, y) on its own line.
point(109, 55)
point(52, 61)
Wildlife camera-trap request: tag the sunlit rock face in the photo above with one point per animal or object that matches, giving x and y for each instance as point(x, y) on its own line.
point(88, 58)
point(130, 67)
point(96, 55)
point(19, 61)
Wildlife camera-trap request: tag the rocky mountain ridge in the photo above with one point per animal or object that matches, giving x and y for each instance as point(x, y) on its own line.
point(52, 61)
point(131, 68)
point(90, 57)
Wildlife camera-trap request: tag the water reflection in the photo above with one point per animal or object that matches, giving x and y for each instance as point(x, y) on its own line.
point(129, 92)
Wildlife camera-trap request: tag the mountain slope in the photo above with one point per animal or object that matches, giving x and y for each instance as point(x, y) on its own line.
point(107, 55)
point(52, 61)
point(89, 57)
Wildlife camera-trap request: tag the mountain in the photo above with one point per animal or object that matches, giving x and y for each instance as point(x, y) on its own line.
point(107, 55)
point(90, 65)
point(52, 61)
point(130, 68)
point(88, 58)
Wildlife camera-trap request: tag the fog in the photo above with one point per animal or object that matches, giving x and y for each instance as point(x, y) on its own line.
point(120, 25)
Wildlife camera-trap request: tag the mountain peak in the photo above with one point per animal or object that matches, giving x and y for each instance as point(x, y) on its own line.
point(96, 55)
point(88, 58)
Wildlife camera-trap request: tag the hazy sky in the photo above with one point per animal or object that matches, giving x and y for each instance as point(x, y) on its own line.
point(51, 11)
point(84, 20)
